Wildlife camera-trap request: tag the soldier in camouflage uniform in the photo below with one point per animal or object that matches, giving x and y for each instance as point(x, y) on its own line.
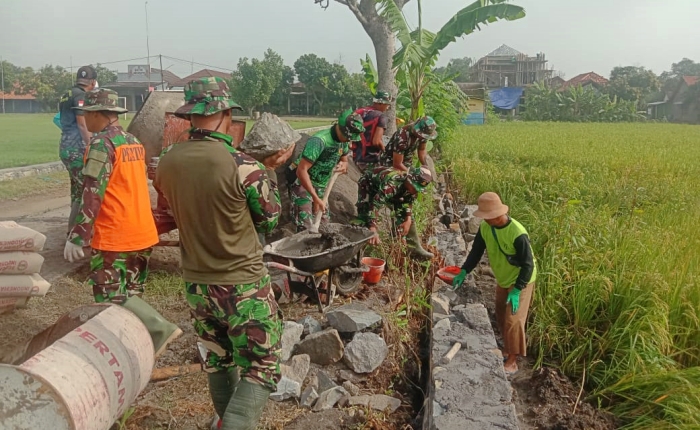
point(406, 141)
point(325, 152)
point(74, 134)
point(399, 155)
point(221, 199)
point(387, 187)
point(114, 216)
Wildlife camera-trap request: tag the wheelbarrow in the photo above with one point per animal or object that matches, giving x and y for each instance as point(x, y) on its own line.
point(321, 263)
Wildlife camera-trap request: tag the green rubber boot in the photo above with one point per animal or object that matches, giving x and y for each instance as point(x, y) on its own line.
point(222, 385)
point(414, 245)
point(246, 406)
point(161, 330)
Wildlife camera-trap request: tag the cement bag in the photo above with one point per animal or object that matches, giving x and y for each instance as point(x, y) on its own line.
point(20, 263)
point(14, 237)
point(23, 286)
point(9, 304)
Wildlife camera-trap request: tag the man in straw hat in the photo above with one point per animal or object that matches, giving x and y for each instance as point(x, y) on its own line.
point(221, 199)
point(74, 134)
point(325, 152)
point(365, 152)
point(508, 246)
point(398, 154)
point(387, 187)
point(114, 216)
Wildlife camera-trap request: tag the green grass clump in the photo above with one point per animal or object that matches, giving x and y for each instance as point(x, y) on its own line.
point(612, 211)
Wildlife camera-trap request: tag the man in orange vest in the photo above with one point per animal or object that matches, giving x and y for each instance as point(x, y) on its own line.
point(115, 216)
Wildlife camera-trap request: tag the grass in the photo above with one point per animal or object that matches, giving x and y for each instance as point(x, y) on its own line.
point(612, 211)
point(28, 139)
point(34, 186)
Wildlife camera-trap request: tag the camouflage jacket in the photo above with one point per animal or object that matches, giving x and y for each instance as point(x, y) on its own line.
point(262, 193)
point(403, 142)
point(383, 186)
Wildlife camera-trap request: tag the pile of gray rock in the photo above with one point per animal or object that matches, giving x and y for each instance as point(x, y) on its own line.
point(324, 363)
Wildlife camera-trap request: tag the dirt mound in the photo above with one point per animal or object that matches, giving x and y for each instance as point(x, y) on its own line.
point(551, 397)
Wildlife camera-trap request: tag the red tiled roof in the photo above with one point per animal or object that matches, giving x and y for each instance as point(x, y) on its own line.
point(691, 80)
point(13, 96)
point(168, 76)
point(585, 79)
point(204, 73)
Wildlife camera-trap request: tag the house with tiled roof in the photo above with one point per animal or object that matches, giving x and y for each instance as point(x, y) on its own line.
point(15, 102)
point(135, 84)
point(590, 79)
point(680, 105)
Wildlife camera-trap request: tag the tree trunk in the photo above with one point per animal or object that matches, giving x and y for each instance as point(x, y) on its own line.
point(384, 47)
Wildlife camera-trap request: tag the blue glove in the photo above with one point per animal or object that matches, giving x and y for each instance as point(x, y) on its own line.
point(459, 279)
point(514, 299)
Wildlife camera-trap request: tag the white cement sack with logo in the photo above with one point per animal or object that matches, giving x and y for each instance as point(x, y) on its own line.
point(9, 304)
point(23, 286)
point(14, 237)
point(20, 263)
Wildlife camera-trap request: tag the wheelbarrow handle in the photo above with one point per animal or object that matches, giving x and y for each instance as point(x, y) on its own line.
point(280, 266)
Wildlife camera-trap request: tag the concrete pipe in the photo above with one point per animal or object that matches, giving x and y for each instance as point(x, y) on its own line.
point(85, 380)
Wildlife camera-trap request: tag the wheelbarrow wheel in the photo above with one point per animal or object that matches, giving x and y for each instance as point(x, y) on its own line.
point(347, 282)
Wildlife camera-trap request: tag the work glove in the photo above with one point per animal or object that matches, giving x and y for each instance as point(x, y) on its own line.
point(73, 252)
point(514, 299)
point(459, 279)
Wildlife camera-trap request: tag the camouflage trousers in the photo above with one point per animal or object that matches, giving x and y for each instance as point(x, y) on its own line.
point(302, 206)
point(365, 195)
point(114, 276)
point(238, 325)
point(73, 160)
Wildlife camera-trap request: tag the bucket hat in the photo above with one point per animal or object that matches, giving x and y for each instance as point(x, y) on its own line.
point(382, 97)
point(420, 177)
point(425, 128)
point(206, 96)
point(490, 206)
point(101, 99)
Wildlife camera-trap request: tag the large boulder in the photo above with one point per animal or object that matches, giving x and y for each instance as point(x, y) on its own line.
point(291, 335)
point(268, 135)
point(352, 318)
point(324, 348)
point(365, 353)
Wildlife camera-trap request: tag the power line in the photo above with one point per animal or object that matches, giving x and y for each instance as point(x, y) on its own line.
point(199, 64)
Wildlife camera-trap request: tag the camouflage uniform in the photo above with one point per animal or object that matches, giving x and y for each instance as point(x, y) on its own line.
point(238, 324)
point(114, 276)
point(407, 140)
point(383, 186)
point(323, 150)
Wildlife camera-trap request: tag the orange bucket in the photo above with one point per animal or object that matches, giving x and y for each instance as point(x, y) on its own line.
point(376, 268)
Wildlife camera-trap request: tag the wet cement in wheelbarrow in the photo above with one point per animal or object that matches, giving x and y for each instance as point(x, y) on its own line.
point(331, 238)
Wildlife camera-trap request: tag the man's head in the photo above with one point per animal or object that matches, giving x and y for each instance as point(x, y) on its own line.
point(207, 103)
point(424, 128)
point(350, 126)
point(418, 179)
point(382, 100)
point(87, 78)
point(101, 108)
point(492, 210)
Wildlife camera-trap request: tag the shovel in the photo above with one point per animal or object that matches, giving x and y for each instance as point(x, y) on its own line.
point(319, 214)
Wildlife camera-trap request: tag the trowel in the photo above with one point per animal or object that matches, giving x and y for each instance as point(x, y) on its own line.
point(326, 195)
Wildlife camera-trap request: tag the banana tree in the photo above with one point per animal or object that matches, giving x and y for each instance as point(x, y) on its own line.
point(420, 48)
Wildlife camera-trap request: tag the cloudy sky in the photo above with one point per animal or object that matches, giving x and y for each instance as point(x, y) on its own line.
point(577, 36)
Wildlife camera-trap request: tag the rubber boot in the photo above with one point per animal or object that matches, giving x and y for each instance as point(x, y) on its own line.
point(414, 245)
point(161, 330)
point(246, 406)
point(222, 385)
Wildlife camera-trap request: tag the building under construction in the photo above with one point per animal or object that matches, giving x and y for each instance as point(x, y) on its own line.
point(506, 67)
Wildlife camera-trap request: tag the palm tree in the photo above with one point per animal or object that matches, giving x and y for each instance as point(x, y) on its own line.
point(421, 48)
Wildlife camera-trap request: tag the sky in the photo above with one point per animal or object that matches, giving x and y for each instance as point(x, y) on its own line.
point(577, 36)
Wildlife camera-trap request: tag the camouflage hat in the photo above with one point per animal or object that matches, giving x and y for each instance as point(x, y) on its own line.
point(425, 128)
point(420, 177)
point(101, 100)
point(206, 96)
point(351, 125)
point(382, 97)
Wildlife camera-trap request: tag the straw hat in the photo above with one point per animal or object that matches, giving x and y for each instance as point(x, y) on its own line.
point(490, 206)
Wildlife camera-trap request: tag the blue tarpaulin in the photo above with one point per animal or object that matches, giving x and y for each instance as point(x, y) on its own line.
point(506, 98)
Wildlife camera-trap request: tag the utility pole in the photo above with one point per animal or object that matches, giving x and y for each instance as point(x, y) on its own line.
point(148, 48)
point(2, 79)
point(162, 78)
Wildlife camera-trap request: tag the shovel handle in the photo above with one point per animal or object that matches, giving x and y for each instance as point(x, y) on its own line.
point(326, 195)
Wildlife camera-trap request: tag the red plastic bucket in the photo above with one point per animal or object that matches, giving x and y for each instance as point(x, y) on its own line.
point(376, 268)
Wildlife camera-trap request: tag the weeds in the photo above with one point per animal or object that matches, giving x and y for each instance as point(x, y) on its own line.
point(612, 212)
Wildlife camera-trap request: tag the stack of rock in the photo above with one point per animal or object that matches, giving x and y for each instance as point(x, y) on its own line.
point(20, 264)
